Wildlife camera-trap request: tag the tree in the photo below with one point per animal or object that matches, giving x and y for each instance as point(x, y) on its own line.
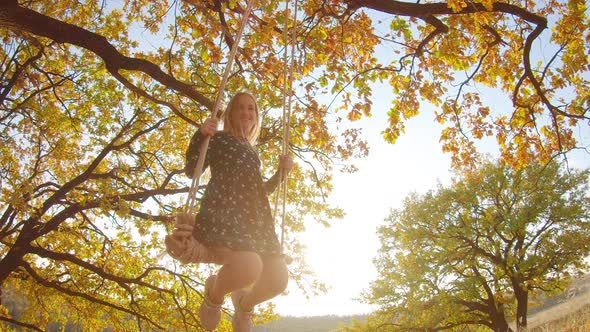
point(479, 251)
point(91, 173)
point(439, 44)
point(93, 121)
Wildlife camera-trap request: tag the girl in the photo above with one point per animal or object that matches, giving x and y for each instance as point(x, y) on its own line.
point(235, 220)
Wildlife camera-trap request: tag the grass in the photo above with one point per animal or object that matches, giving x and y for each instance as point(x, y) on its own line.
point(572, 316)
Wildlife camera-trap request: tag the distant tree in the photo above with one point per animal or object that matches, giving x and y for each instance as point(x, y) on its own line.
point(473, 253)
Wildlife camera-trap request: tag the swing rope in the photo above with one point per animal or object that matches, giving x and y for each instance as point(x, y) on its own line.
point(287, 98)
point(181, 245)
point(192, 196)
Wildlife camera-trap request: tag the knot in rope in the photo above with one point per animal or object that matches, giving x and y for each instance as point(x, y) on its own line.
point(181, 244)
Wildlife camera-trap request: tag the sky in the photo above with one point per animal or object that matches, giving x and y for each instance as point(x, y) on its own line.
point(342, 255)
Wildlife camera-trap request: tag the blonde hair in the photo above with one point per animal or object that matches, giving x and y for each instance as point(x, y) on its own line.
point(228, 127)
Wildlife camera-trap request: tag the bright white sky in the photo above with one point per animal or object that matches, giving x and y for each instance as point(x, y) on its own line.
point(342, 255)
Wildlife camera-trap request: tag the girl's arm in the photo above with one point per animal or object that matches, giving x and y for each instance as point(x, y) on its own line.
point(285, 164)
point(208, 128)
point(271, 184)
point(192, 154)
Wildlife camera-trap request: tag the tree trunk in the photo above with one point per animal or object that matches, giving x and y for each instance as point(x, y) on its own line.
point(522, 298)
point(14, 257)
point(10, 262)
point(500, 323)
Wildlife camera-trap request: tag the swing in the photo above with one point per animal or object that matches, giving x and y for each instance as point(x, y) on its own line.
point(181, 245)
point(287, 89)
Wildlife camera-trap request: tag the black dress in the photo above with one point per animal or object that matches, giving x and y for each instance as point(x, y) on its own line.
point(235, 211)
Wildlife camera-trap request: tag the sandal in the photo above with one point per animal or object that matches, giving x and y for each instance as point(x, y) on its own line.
point(242, 320)
point(210, 312)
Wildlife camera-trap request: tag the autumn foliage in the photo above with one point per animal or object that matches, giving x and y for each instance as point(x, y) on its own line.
point(98, 100)
point(483, 250)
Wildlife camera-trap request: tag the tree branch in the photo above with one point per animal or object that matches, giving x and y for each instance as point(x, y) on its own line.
point(54, 285)
point(19, 323)
point(17, 18)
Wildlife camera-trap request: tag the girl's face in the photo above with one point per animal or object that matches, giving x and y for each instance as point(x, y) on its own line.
point(243, 114)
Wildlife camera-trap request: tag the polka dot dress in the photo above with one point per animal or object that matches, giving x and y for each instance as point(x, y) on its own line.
point(235, 211)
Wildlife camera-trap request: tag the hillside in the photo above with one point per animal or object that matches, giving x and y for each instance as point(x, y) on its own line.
point(567, 311)
point(307, 324)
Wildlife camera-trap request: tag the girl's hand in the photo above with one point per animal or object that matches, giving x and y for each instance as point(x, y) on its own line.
point(209, 127)
point(285, 163)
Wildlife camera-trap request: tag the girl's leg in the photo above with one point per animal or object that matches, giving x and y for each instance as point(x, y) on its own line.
point(272, 282)
point(240, 269)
